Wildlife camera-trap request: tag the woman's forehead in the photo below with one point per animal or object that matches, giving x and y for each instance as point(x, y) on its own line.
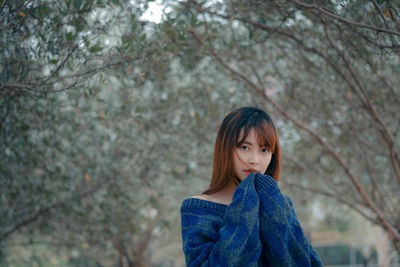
point(242, 132)
point(250, 135)
point(259, 133)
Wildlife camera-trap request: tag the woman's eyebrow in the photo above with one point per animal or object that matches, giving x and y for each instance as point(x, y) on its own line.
point(247, 143)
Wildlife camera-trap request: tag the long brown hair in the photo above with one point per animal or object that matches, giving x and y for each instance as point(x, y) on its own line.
point(242, 119)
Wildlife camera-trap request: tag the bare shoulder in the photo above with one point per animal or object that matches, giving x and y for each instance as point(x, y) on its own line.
point(202, 196)
point(216, 197)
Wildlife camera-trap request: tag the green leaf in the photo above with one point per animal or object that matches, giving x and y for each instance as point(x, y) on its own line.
point(95, 48)
point(53, 61)
point(70, 36)
point(77, 4)
point(88, 4)
point(126, 39)
point(43, 11)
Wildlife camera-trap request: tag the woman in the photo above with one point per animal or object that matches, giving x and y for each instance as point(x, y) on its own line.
point(242, 219)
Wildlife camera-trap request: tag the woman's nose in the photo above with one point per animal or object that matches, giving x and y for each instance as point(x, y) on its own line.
point(253, 159)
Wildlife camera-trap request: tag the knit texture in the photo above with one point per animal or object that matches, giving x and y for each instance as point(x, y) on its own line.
point(259, 228)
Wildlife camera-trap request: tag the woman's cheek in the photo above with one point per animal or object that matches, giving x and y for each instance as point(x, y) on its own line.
point(240, 156)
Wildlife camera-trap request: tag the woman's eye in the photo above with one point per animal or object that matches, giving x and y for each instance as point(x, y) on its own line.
point(264, 150)
point(245, 147)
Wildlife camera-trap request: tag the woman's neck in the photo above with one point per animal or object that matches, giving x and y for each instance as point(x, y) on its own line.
point(225, 195)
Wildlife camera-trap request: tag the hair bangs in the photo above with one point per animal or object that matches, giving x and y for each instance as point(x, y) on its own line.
point(265, 132)
point(233, 131)
point(266, 136)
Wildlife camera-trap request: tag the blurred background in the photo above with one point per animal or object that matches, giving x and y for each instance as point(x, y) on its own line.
point(109, 111)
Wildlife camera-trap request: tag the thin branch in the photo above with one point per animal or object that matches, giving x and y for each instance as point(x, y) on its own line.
point(382, 47)
point(143, 243)
point(371, 172)
point(318, 171)
point(378, 8)
point(347, 21)
point(33, 86)
point(3, 5)
point(59, 66)
point(17, 13)
point(334, 196)
point(43, 210)
point(386, 205)
point(364, 96)
point(367, 103)
point(121, 250)
point(393, 14)
point(362, 93)
point(390, 229)
point(260, 81)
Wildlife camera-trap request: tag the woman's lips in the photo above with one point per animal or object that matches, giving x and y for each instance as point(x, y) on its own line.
point(248, 171)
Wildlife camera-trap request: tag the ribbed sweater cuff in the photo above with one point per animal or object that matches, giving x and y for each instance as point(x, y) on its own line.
point(265, 183)
point(248, 181)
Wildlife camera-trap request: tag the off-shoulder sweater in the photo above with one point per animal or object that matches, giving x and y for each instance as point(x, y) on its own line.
point(259, 228)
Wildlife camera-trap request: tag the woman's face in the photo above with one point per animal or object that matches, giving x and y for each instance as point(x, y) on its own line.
point(250, 157)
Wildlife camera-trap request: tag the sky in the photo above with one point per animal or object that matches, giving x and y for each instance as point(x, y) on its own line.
point(154, 12)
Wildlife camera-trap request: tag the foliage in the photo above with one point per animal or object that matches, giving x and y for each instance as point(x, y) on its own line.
point(71, 167)
point(321, 73)
point(108, 121)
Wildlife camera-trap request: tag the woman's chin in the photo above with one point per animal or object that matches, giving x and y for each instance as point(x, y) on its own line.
point(245, 175)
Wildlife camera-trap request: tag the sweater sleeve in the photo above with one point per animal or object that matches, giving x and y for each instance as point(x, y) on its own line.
point(235, 243)
point(283, 239)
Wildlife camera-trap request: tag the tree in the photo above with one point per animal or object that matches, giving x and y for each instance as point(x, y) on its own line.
point(329, 71)
point(108, 121)
point(96, 145)
point(60, 121)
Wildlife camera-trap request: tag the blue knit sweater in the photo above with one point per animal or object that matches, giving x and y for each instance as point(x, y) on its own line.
point(259, 228)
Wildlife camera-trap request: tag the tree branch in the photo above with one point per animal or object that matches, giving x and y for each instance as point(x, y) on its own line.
point(3, 5)
point(32, 86)
point(60, 65)
point(390, 229)
point(347, 21)
point(334, 196)
point(17, 13)
point(122, 252)
point(363, 95)
point(394, 156)
point(43, 210)
point(377, 7)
